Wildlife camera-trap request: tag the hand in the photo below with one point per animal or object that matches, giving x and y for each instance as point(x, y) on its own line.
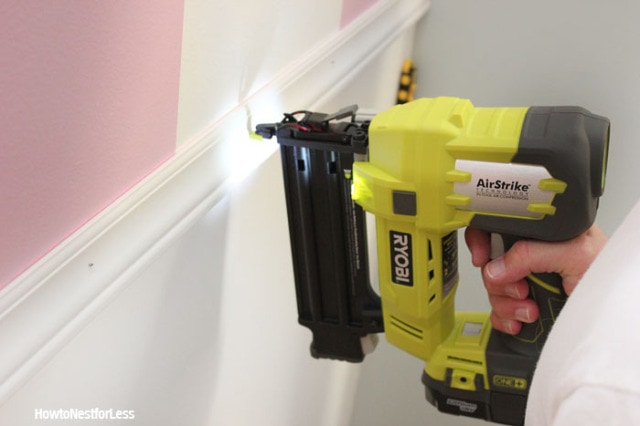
point(504, 277)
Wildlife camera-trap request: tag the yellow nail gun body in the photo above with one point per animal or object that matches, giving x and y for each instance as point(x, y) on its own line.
point(426, 169)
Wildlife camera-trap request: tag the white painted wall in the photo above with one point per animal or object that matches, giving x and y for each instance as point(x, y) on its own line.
point(232, 49)
point(512, 53)
point(205, 335)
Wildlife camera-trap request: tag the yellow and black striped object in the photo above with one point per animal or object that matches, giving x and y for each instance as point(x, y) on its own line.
point(407, 85)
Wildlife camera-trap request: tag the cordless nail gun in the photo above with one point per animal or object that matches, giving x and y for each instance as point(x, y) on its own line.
point(426, 169)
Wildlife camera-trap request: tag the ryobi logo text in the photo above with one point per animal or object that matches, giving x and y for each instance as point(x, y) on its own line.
point(401, 258)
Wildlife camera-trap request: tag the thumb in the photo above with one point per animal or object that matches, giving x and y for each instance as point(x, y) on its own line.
point(570, 259)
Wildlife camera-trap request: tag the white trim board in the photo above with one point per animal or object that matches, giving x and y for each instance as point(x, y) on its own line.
point(45, 307)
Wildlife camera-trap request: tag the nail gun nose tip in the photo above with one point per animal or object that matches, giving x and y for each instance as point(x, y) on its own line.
point(369, 343)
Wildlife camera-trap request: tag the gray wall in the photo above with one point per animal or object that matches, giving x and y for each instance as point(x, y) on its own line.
point(512, 53)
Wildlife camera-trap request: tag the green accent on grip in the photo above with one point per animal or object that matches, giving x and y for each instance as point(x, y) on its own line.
point(543, 284)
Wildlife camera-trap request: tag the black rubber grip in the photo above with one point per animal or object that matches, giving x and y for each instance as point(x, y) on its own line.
point(547, 291)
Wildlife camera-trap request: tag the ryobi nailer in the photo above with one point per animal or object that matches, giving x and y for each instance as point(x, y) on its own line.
point(426, 169)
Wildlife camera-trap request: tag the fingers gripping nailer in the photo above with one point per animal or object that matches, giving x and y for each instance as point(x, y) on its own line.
point(426, 169)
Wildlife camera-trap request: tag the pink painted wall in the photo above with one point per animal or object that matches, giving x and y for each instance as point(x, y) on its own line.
point(351, 9)
point(89, 98)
